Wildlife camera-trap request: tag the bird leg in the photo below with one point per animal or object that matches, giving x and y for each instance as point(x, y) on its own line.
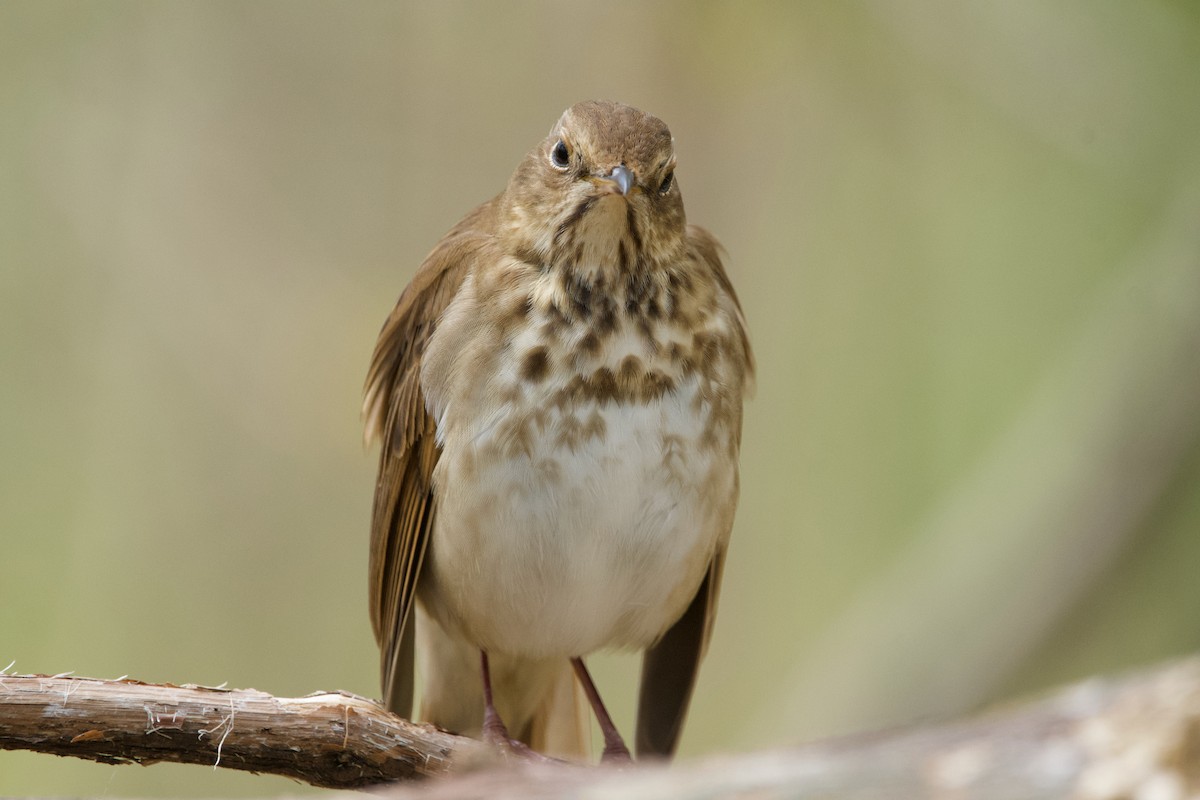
point(495, 732)
point(615, 751)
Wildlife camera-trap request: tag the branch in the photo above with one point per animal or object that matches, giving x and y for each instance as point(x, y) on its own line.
point(1133, 737)
point(332, 739)
point(1136, 736)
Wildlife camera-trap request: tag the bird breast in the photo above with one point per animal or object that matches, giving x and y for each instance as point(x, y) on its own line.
point(584, 481)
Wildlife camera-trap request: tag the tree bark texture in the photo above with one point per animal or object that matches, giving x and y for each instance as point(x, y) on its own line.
point(1131, 738)
point(334, 740)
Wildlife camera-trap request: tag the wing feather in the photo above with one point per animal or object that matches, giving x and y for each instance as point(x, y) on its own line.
point(669, 670)
point(395, 414)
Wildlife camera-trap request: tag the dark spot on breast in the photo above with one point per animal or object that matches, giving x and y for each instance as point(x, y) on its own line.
point(535, 365)
point(556, 318)
point(657, 384)
point(579, 289)
point(630, 369)
point(606, 321)
point(637, 289)
point(630, 384)
point(590, 344)
point(647, 331)
point(603, 385)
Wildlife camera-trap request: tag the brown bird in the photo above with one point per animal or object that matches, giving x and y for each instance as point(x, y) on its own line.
point(558, 394)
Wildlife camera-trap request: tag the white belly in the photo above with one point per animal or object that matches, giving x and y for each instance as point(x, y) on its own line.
point(565, 532)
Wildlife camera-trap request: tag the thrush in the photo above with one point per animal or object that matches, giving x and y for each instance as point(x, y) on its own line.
point(558, 393)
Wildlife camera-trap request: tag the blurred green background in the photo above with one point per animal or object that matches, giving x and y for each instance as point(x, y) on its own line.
point(966, 236)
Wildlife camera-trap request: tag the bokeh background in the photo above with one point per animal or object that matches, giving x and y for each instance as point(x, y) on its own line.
point(966, 236)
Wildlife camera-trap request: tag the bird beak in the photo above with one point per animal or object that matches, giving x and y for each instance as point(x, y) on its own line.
point(623, 177)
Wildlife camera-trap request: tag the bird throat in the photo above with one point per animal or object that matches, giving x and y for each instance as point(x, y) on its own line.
point(600, 236)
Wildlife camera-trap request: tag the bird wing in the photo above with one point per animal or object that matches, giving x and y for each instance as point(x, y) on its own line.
point(669, 668)
point(395, 413)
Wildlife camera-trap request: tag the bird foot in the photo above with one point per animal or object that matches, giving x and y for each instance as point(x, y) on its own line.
point(616, 754)
point(495, 733)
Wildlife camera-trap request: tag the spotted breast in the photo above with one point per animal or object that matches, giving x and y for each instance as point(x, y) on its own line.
point(584, 499)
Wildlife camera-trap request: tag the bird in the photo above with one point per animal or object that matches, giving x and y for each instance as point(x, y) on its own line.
point(558, 396)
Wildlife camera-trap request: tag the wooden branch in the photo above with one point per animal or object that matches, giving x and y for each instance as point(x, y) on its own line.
point(1136, 736)
point(333, 739)
point(1130, 738)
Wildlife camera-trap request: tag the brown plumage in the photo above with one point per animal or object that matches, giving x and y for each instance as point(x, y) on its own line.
point(558, 394)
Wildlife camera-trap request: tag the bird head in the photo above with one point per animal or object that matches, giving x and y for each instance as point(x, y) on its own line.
point(598, 193)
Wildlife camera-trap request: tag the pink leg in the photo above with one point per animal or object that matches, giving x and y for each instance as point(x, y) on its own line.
point(495, 732)
point(615, 750)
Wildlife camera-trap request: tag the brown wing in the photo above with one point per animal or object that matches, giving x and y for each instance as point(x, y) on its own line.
point(669, 668)
point(394, 408)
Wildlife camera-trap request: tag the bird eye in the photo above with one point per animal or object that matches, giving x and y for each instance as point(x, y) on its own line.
point(668, 181)
point(560, 156)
